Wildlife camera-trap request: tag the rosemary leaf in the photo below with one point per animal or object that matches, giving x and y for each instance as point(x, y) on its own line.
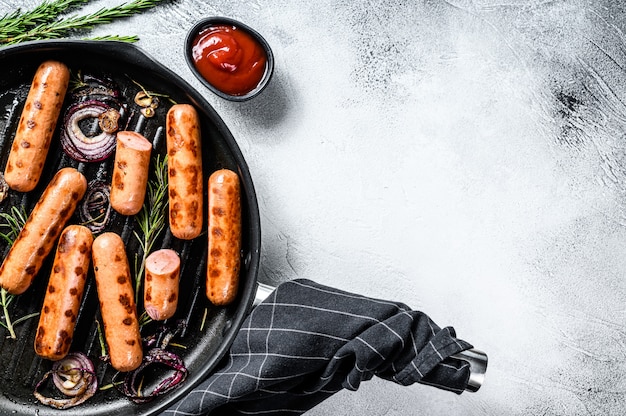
point(116, 38)
point(14, 221)
point(25, 318)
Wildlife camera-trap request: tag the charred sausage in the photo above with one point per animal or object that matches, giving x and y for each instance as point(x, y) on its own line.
point(64, 294)
point(185, 180)
point(36, 126)
point(161, 284)
point(130, 172)
point(117, 302)
point(224, 229)
point(42, 228)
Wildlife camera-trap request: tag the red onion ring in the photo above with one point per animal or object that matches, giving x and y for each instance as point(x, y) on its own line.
point(4, 188)
point(155, 356)
point(97, 85)
point(95, 208)
point(74, 376)
point(85, 147)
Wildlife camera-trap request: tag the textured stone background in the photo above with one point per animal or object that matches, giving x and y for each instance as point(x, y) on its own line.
point(464, 157)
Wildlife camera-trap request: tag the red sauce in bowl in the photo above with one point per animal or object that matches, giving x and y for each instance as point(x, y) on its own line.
point(229, 58)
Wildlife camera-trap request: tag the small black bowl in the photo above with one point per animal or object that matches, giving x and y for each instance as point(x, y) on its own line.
point(212, 21)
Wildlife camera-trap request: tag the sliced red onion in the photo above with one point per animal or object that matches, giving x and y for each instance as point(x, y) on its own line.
point(4, 188)
point(100, 85)
point(155, 356)
point(75, 377)
point(92, 146)
point(164, 334)
point(95, 208)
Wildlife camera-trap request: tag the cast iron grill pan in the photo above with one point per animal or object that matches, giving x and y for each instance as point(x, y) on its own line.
point(209, 330)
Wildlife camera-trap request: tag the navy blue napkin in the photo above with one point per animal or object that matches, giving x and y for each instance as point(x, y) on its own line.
point(307, 341)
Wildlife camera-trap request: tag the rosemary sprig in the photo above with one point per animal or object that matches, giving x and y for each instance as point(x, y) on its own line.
point(151, 218)
point(117, 38)
point(144, 319)
point(13, 221)
point(17, 22)
point(103, 348)
point(37, 25)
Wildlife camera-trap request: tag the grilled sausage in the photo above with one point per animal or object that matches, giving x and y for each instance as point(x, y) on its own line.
point(117, 302)
point(130, 172)
point(161, 284)
point(224, 229)
point(185, 178)
point(42, 228)
point(65, 292)
point(36, 126)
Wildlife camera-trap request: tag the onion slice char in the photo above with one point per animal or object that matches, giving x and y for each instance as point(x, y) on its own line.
point(94, 145)
point(95, 209)
point(156, 356)
point(74, 376)
point(4, 188)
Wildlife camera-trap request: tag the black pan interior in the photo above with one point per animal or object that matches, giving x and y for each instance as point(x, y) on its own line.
point(210, 330)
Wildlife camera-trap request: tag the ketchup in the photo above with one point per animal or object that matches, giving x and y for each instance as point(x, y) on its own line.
point(229, 58)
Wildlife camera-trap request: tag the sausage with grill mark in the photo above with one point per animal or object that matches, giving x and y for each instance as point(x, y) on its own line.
point(36, 126)
point(161, 284)
point(64, 293)
point(185, 179)
point(117, 302)
point(224, 229)
point(130, 172)
point(44, 225)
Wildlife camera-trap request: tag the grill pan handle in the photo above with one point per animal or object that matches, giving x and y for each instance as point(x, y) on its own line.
point(262, 292)
point(476, 359)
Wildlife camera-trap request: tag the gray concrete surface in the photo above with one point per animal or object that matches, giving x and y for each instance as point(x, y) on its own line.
point(465, 157)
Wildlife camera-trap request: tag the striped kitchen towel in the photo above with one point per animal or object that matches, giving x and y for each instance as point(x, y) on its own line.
point(307, 341)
